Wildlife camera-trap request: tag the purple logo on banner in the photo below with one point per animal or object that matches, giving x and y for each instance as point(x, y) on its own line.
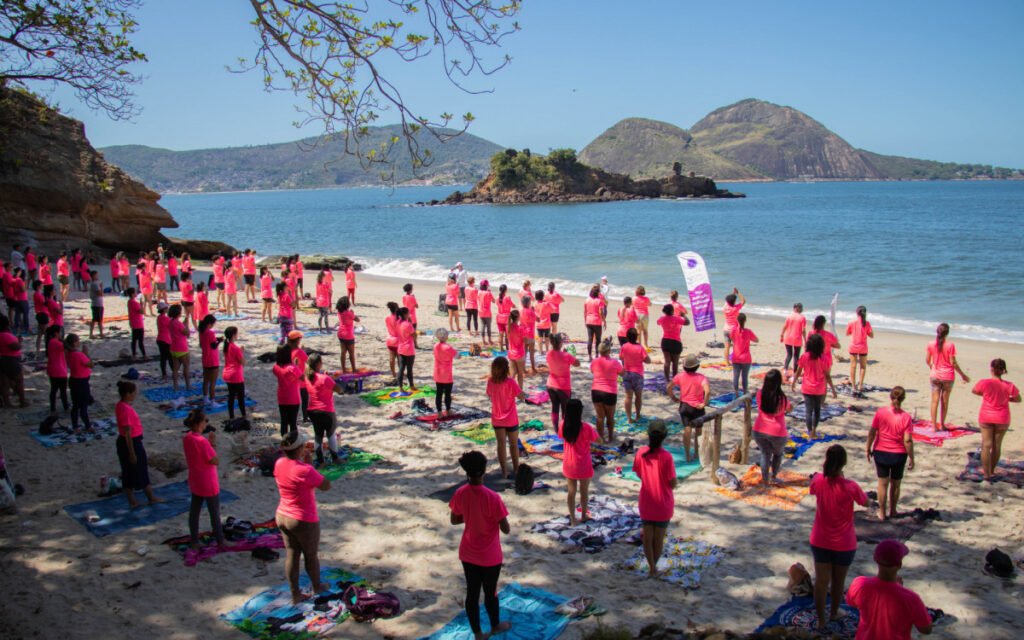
point(702, 304)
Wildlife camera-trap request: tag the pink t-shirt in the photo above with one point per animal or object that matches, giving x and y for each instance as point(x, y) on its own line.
point(741, 339)
point(218, 272)
point(814, 370)
point(188, 291)
point(406, 344)
point(592, 311)
point(451, 294)
point(284, 305)
point(78, 365)
point(655, 470)
point(731, 311)
point(888, 610)
point(124, 267)
point(485, 300)
point(679, 307)
point(830, 341)
point(503, 402)
point(671, 327)
point(691, 387)
point(482, 510)
point(833, 519)
point(472, 297)
point(115, 268)
point(145, 283)
point(230, 283)
point(543, 311)
point(56, 364)
point(56, 312)
point(772, 424)
point(163, 328)
point(160, 273)
point(942, 360)
point(63, 268)
point(10, 346)
point(632, 356)
point(409, 302)
point(267, 287)
point(289, 379)
point(299, 358)
point(858, 337)
point(249, 265)
point(296, 481)
point(505, 306)
point(323, 294)
point(391, 326)
point(642, 305)
point(172, 266)
point(558, 370)
point(135, 319)
point(45, 274)
point(202, 307)
point(179, 336)
point(128, 423)
point(346, 325)
point(234, 364)
point(208, 347)
point(528, 321)
point(627, 320)
point(444, 355)
point(576, 461)
point(516, 341)
point(321, 392)
point(202, 476)
point(606, 374)
point(555, 300)
point(39, 302)
point(995, 400)
point(793, 330)
point(350, 278)
point(892, 425)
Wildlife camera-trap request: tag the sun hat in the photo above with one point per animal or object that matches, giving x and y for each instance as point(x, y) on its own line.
point(691, 361)
point(294, 334)
point(890, 553)
point(292, 441)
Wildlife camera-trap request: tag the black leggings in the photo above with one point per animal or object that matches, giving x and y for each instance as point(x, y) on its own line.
point(289, 418)
point(61, 385)
point(792, 353)
point(236, 391)
point(486, 332)
point(443, 391)
point(324, 424)
point(405, 367)
point(559, 403)
point(80, 398)
point(138, 338)
point(165, 359)
point(813, 406)
point(478, 577)
point(471, 320)
point(304, 402)
point(593, 336)
point(194, 509)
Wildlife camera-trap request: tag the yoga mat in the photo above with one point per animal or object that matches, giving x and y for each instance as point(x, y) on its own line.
point(352, 459)
point(115, 516)
point(623, 425)
point(167, 393)
point(552, 445)
point(609, 521)
point(492, 482)
point(799, 613)
point(480, 433)
point(683, 561)
point(182, 409)
point(105, 428)
point(530, 610)
point(430, 420)
point(32, 416)
point(872, 530)
point(924, 431)
point(264, 535)
point(392, 394)
point(828, 411)
point(1009, 471)
point(797, 445)
point(786, 497)
point(684, 469)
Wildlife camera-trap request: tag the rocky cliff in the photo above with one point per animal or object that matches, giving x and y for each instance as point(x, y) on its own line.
point(58, 192)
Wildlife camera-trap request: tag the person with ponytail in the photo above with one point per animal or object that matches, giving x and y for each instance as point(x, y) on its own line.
point(346, 332)
point(410, 303)
point(671, 324)
point(593, 317)
point(391, 327)
point(484, 300)
point(633, 357)
point(289, 379)
point(130, 452)
point(406, 349)
point(322, 301)
point(299, 359)
point(554, 300)
point(504, 306)
point(179, 347)
point(444, 379)
point(559, 379)
point(627, 319)
point(56, 369)
point(267, 295)
point(831, 341)
point(816, 381)
point(941, 358)
point(741, 337)
point(833, 538)
point(80, 369)
point(503, 392)
point(891, 447)
point(604, 389)
point(994, 415)
point(200, 445)
point(208, 343)
point(234, 372)
point(285, 310)
point(515, 335)
point(656, 469)
point(859, 330)
point(321, 389)
point(769, 429)
point(794, 334)
point(577, 465)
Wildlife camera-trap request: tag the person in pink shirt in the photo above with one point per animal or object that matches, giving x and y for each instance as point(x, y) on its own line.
point(503, 392)
point(391, 342)
point(526, 291)
point(230, 292)
point(249, 275)
point(406, 349)
point(234, 372)
point(679, 307)
point(350, 283)
point(322, 301)
point(56, 369)
point(76, 277)
point(994, 415)
point(888, 610)
point(297, 516)
point(285, 310)
point(941, 358)
point(627, 319)
point(559, 380)
point(451, 302)
point(472, 303)
point(160, 280)
point(891, 447)
point(604, 388)
point(41, 313)
point(80, 370)
point(347, 332)
point(730, 311)
point(504, 306)
point(671, 339)
point(12, 374)
point(410, 303)
point(793, 335)
point(31, 264)
point(741, 337)
point(642, 306)
point(115, 275)
point(817, 380)
point(179, 348)
point(63, 275)
point(289, 379)
point(484, 301)
point(299, 359)
point(543, 311)
point(163, 338)
point(146, 289)
point(217, 267)
point(267, 295)
point(554, 300)
point(124, 269)
point(298, 270)
point(444, 355)
point(859, 330)
point(657, 472)
point(694, 393)
point(769, 429)
point(483, 513)
point(173, 273)
point(188, 299)
point(322, 388)
point(209, 343)
point(634, 357)
point(516, 334)
point(593, 318)
point(137, 324)
point(577, 465)
point(831, 341)
point(833, 538)
point(528, 327)
point(202, 306)
point(130, 451)
point(45, 270)
point(54, 308)
point(200, 446)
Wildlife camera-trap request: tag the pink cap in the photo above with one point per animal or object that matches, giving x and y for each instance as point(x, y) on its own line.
point(890, 553)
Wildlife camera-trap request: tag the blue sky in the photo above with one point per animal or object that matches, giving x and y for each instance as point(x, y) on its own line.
point(937, 80)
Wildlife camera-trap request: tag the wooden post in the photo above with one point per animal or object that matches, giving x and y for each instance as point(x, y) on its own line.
point(715, 442)
point(717, 451)
point(747, 427)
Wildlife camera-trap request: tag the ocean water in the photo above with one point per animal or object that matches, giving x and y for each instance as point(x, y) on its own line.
point(914, 253)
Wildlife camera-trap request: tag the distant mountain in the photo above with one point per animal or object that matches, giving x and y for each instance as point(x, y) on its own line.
point(307, 163)
point(754, 139)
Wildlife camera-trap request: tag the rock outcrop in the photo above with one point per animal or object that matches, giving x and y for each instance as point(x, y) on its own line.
point(57, 192)
point(199, 249)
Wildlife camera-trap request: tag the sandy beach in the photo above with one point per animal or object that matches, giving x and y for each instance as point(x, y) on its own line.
point(60, 580)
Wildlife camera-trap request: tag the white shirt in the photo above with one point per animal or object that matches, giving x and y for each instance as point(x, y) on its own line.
point(17, 259)
point(460, 277)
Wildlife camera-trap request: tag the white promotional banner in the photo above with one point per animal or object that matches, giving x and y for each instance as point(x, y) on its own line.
point(702, 304)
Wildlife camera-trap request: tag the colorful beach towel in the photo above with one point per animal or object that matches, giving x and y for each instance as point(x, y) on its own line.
point(479, 433)
point(62, 435)
point(32, 416)
point(1010, 471)
point(655, 382)
point(530, 610)
point(392, 394)
point(271, 614)
point(494, 482)
point(231, 317)
point(360, 374)
point(430, 420)
point(264, 535)
point(798, 444)
point(828, 412)
point(784, 497)
point(113, 515)
point(609, 521)
point(552, 445)
point(846, 389)
point(180, 407)
point(538, 397)
point(872, 530)
point(623, 425)
point(683, 562)
point(352, 459)
point(684, 469)
point(799, 613)
point(924, 431)
point(484, 353)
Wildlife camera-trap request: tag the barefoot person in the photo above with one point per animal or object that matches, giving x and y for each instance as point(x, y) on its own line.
point(577, 465)
point(503, 392)
point(451, 301)
point(604, 389)
point(994, 415)
point(694, 393)
point(671, 325)
point(859, 331)
point(444, 380)
point(200, 448)
point(633, 356)
point(657, 472)
point(130, 452)
point(941, 358)
point(816, 381)
point(297, 516)
point(559, 378)
point(741, 338)
point(769, 429)
point(730, 311)
point(794, 334)
point(887, 608)
point(483, 513)
point(891, 447)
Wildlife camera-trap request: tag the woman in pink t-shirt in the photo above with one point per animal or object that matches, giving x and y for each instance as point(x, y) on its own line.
point(769, 429)
point(859, 330)
point(642, 306)
point(593, 318)
point(285, 310)
point(671, 325)
point(289, 396)
point(210, 356)
point(451, 302)
point(833, 538)
point(406, 349)
point(483, 513)
point(409, 302)
point(179, 348)
point(656, 469)
point(543, 311)
point(604, 389)
point(321, 388)
point(322, 301)
point(202, 460)
point(627, 319)
point(266, 295)
point(577, 465)
point(444, 355)
point(694, 393)
point(484, 302)
point(472, 304)
point(793, 335)
point(554, 299)
point(516, 335)
point(559, 380)
point(391, 342)
point(56, 369)
point(633, 356)
point(503, 392)
point(297, 516)
point(504, 307)
point(891, 447)
point(347, 332)
point(941, 358)
point(994, 415)
point(528, 325)
point(741, 337)
point(80, 370)
point(831, 341)
point(817, 379)
point(188, 300)
point(350, 283)
point(130, 451)
point(234, 372)
point(202, 308)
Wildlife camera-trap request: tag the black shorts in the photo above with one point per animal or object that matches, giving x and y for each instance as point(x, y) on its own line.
point(268, 299)
point(250, 279)
point(10, 366)
point(514, 427)
point(603, 397)
point(97, 314)
point(347, 342)
point(622, 340)
point(890, 465)
point(554, 317)
point(671, 347)
point(659, 524)
point(452, 307)
point(220, 286)
point(543, 333)
point(42, 319)
point(688, 412)
point(302, 283)
point(62, 279)
point(828, 556)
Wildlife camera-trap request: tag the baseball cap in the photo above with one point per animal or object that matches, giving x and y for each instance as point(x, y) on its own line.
point(890, 553)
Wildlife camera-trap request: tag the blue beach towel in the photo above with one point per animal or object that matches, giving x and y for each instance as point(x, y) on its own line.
point(799, 613)
point(167, 393)
point(799, 412)
point(684, 469)
point(116, 517)
point(530, 610)
point(801, 443)
point(105, 428)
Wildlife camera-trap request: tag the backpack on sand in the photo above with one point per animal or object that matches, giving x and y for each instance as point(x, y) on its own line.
point(365, 606)
point(524, 479)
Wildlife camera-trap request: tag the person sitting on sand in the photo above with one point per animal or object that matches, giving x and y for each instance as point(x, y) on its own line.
point(201, 456)
point(769, 429)
point(483, 513)
point(994, 415)
point(887, 608)
point(297, 516)
point(941, 358)
point(891, 446)
point(503, 392)
point(657, 472)
point(694, 393)
point(577, 465)
point(130, 452)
